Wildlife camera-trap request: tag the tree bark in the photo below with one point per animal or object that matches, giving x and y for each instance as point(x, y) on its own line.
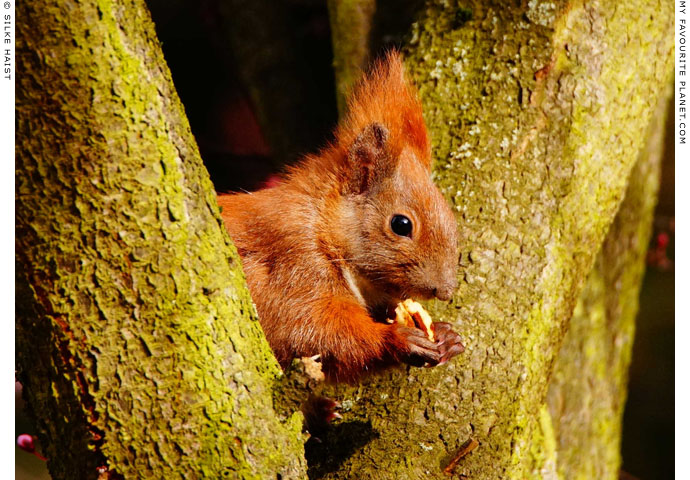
point(351, 22)
point(588, 388)
point(537, 113)
point(137, 342)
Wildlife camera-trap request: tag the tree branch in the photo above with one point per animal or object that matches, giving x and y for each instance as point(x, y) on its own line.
point(537, 114)
point(588, 388)
point(143, 355)
point(351, 22)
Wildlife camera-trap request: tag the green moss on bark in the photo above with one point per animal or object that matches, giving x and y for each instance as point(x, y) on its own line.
point(537, 113)
point(588, 389)
point(138, 343)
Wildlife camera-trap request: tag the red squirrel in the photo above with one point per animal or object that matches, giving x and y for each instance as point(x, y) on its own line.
point(347, 234)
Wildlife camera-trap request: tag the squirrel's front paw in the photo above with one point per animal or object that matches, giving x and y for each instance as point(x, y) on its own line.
point(422, 352)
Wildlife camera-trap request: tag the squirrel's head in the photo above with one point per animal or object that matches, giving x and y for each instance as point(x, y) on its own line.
point(400, 233)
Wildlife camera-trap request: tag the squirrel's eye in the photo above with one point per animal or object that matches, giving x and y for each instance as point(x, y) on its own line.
point(401, 225)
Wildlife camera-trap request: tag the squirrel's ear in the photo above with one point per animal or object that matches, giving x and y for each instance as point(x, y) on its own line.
point(369, 159)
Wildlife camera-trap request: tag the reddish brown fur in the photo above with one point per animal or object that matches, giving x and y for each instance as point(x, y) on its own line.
point(385, 96)
point(318, 251)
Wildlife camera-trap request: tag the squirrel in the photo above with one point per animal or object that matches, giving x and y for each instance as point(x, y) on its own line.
point(348, 233)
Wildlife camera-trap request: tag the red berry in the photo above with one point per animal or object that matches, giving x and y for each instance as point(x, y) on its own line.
point(26, 442)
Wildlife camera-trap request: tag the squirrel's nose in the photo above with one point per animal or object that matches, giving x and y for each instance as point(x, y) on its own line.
point(444, 293)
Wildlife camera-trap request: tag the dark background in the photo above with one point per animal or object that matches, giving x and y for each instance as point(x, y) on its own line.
point(237, 156)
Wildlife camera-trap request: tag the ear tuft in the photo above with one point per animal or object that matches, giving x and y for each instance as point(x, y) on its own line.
point(385, 98)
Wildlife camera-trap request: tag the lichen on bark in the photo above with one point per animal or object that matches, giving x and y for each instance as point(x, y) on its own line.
point(588, 388)
point(139, 347)
point(537, 113)
point(138, 344)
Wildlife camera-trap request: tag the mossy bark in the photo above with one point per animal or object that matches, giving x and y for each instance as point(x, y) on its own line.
point(351, 22)
point(537, 112)
point(137, 341)
point(588, 387)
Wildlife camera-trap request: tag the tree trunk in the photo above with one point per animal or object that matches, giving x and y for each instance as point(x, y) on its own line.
point(537, 114)
point(351, 22)
point(137, 341)
point(588, 387)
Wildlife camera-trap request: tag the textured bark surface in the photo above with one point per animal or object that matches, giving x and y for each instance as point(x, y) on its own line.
point(588, 388)
point(138, 344)
point(537, 113)
point(351, 22)
point(136, 338)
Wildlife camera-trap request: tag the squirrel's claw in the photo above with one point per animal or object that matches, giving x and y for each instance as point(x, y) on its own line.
point(423, 352)
point(319, 412)
point(449, 341)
